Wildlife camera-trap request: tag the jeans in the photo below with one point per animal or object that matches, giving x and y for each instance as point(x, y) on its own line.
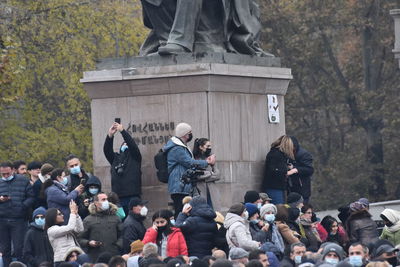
point(278, 196)
point(177, 198)
point(12, 230)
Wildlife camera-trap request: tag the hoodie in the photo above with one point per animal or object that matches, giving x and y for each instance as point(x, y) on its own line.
point(238, 232)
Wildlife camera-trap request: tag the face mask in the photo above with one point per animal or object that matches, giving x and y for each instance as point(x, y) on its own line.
point(246, 215)
point(172, 222)
point(392, 261)
point(356, 260)
point(9, 178)
point(259, 205)
point(93, 191)
point(389, 224)
point(255, 221)
point(269, 217)
point(64, 181)
point(208, 152)
point(143, 211)
point(297, 259)
point(332, 261)
point(75, 170)
point(105, 205)
point(161, 228)
point(40, 221)
point(190, 138)
point(123, 148)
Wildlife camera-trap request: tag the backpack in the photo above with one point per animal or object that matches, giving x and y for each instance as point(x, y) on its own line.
point(161, 162)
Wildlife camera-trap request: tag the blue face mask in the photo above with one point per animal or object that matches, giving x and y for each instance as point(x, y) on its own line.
point(9, 178)
point(356, 260)
point(259, 205)
point(75, 170)
point(40, 221)
point(269, 217)
point(297, 259)
point(93, 191)
point(255, 221)
point(331, 261)
point(64, 181)
point(123, 148)
point(172, 222)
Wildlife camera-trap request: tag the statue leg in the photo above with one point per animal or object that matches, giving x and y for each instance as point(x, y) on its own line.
point(187, 18)
point(160, 19)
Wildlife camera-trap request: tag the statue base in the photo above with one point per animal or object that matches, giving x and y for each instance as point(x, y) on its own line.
point(222, 96)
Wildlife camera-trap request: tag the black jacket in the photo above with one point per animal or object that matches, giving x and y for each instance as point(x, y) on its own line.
point(275, 170)
point(22, 197)
point(301, 181)
point(130, 182)
point(37, 248)
point(74, 180)
point(133, 230)
point(84, 210)
point(199, 229)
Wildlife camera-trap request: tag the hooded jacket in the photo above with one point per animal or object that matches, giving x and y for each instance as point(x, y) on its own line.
point(176, 244)
point(103, 226)
point(72, 249)
point(133, 229)
point(180, 158)
point(392, 233)
point(360, 227)
point(37, 248)
point(84, 210)
point(199, 229)
point(238, 233)
point(129, 183)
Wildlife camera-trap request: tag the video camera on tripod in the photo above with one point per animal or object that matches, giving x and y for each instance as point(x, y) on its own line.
point(190, 176)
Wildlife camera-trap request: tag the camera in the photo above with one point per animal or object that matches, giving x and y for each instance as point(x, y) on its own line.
point(190, 175)
point(119, 169)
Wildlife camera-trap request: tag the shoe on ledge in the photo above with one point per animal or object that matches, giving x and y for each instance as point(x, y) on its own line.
point(172, 49)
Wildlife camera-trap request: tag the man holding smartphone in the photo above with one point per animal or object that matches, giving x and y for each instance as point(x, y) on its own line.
point(126, 174)
point(16, 198)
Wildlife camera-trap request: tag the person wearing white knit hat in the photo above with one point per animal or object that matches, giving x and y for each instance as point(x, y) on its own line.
point(180, 159)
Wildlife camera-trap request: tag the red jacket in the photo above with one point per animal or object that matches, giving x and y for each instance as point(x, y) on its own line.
point(176, 244)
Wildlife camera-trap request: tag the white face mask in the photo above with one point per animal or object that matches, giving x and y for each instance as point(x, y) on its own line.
point(143, 211)
point(105, 205)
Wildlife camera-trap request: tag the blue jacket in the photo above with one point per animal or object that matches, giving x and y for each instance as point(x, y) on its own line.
point(199, 229)
point(180, 158)
point(58, 197)
point(21, 197)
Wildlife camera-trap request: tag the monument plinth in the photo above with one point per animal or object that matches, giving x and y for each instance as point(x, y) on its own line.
point(222, 96)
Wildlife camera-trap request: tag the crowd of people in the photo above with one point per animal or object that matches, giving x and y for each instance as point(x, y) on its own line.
point(61, 216)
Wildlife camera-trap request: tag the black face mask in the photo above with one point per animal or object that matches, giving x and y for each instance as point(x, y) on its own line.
point(208, 152)
point(392, 261)
point(389, 224)
point(190, 138)
point(162, 228)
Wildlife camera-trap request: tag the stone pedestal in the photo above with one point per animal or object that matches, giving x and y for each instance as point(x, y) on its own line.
point(396, 15)
point(223, 97)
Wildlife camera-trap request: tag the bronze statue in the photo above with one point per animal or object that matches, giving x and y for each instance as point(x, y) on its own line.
point(181, 26)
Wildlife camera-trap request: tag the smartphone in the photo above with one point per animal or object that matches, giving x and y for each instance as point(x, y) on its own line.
point(83, 181)
point(186, 206)
point(118, 120)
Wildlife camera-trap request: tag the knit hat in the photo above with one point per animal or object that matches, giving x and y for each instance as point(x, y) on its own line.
point(357, 206)
point(237, 209)
point(237, 253)
point(364, 201)
point(251, 196)
point(46, 169)
point(34, 165)
point(136, 246)
point(182, 129)
point(333, 248)
point(294, 199)
point(267, 208)
point(264, 196)
point(38, 211)
point(251, 208)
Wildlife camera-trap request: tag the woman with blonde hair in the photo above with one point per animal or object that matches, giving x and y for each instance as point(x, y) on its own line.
point(277, 170)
